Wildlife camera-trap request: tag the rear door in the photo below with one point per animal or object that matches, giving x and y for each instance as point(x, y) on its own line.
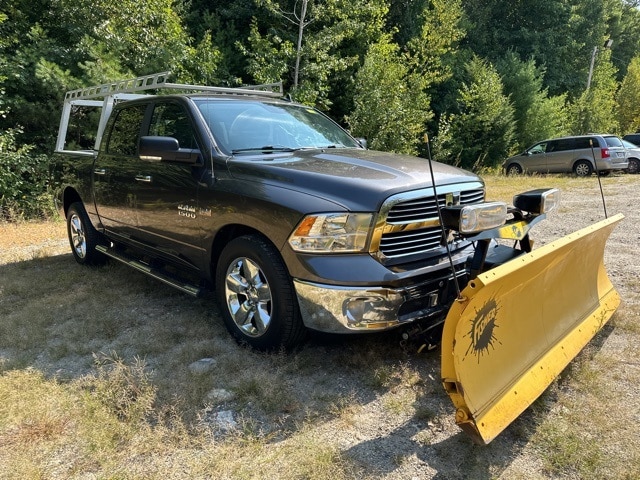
point(560, 158)
point(115, 169)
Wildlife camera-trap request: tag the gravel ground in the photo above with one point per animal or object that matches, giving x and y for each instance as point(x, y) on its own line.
point(404, 445)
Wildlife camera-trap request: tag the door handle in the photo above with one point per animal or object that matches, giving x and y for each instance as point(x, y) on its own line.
point(100, 171)
point(143, 178)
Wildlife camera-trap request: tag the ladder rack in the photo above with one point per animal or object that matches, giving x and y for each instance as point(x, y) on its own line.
point(159, 80)
point(104, 96)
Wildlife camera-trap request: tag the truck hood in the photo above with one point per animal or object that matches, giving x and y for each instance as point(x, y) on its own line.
point(357, 179)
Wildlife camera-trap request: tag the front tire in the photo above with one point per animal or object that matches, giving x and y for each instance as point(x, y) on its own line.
point(256, 295)
point(83, 237)
point(514, 169)
point(582, 168)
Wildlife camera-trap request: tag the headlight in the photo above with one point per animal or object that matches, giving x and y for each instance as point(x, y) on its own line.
point(332, 233)
point(542, 200)
point(475, 218)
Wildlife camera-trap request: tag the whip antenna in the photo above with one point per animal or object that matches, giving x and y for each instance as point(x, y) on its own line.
point(444, 231)
point(595, 163)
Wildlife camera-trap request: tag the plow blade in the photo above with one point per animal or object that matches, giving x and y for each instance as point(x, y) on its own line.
point(519, 325)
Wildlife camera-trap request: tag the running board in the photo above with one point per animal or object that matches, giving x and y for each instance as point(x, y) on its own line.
point(156, 273)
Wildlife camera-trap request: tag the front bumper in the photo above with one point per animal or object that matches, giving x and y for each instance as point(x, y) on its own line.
point(338, 309)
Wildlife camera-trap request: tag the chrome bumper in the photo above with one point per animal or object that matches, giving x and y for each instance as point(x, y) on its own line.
point(332, 309)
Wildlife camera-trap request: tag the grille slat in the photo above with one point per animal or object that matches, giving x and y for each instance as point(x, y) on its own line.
point(418, 240)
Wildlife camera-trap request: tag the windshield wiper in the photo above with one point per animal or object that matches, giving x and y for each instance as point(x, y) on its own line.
point(265, 149)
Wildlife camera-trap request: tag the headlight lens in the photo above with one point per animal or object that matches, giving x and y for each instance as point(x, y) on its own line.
point(332, 233)
point(475, 218)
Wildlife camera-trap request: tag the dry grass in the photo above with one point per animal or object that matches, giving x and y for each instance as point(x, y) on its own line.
point(94, 383)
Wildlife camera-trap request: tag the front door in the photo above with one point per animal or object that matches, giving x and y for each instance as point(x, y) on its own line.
point(166, 192)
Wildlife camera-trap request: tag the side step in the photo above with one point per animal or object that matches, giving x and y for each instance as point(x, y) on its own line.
point(158, 274)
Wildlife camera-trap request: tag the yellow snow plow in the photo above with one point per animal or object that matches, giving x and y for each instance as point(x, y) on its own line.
point(517, 325)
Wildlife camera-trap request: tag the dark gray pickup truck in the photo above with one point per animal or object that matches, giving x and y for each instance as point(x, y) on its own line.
point(287, 217)
point(296, 226)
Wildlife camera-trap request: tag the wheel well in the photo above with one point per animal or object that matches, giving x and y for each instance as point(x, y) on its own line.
point(588, 160)
point(224, 236)
point(70, 196)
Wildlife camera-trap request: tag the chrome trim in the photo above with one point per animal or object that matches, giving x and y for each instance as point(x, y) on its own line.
point(326, 308)
point(423, 217)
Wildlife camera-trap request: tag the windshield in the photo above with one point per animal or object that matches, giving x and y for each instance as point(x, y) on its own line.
point(244, 126)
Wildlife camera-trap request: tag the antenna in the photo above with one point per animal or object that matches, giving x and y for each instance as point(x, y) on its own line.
point(595, 163)
point(444, 232)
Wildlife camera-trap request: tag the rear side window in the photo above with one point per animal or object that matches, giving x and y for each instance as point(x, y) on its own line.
point(125, 132)
point(564, 144)
point(585, 142)
point(613, 142)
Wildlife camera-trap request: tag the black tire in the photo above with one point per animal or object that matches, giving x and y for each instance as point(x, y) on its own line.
point(583, 168)
point(514, 169)
point(256, 296)
point(634, 165)
point(83, 237)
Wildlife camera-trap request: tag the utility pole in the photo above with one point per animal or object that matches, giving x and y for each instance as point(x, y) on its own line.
point(607, 44)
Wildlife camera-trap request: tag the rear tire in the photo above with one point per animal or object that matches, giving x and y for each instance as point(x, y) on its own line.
point(634, 165)
point(83, 237)
point(582, 168)
point(256, 296)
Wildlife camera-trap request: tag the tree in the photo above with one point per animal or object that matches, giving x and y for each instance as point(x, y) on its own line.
point(536, 115)
point(391, 108)
point(628, 98)
point(334, 35)
point(481, 133)
point(594, 110)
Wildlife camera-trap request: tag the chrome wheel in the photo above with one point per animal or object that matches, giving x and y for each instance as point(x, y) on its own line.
point(248, 297)
point(582, 169)
point(77, 236)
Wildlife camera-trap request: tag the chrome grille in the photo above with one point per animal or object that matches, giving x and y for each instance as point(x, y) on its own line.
point(409, 224)
point(422, 209)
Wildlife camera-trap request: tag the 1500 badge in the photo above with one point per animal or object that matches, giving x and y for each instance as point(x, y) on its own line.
point(189, 211)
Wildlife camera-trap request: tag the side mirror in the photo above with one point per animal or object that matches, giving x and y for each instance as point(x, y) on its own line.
point(362, 142)
point(154, 148)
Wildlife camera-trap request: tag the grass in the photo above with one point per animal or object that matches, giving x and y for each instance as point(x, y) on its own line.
point(95, 382)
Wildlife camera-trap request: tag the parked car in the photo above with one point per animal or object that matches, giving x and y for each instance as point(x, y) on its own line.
point(633, 138)
point(578, 154)
point(633, 156)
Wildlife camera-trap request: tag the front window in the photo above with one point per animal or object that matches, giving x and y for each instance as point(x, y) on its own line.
point(245, 126)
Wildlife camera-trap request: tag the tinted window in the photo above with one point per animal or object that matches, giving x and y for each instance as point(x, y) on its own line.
point(126, 131)
point(564, 144)
point(613, 141)
point(171, 120)
point(585, 142)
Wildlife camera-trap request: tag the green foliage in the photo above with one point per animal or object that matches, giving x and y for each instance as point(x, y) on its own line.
point(481, 133)
point(536, 115)
point(391, 108)
point(628, 98)
point(24, 181)
point(595, 109)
